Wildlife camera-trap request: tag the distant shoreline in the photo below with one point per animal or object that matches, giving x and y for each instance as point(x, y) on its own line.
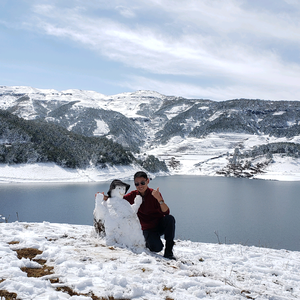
point(52, 173)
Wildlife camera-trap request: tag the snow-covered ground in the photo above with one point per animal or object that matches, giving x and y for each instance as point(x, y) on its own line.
point(83, 266)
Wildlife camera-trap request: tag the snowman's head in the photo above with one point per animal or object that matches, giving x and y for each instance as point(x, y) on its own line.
point(118, 192)
point(117, 189)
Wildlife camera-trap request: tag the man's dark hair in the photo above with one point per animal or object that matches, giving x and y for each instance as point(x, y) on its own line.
point(140, 174)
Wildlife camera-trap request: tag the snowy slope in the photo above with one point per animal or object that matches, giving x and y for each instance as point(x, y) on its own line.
point(81, 265)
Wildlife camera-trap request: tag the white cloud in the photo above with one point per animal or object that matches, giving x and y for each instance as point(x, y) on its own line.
point(232, 16)
point(158, 52)
point(231, 40)
point(125, 11)
point(295, 3)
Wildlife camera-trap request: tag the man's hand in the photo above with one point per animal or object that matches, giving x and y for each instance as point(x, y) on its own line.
point(156, 195)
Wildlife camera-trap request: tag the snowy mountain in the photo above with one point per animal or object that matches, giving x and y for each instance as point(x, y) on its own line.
point(194, 136)
point(124, 117)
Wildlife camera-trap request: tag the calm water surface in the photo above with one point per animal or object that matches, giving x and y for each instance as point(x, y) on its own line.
point(207, 209)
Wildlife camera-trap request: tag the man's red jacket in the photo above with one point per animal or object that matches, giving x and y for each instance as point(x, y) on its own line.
point(149, 212)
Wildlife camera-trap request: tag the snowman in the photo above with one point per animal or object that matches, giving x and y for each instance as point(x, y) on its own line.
point(116, 220)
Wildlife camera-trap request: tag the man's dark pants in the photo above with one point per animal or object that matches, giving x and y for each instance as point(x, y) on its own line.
point(166, 227)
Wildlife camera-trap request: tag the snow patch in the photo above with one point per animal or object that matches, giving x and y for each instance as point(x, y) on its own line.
point(215, 116)
point(102, 128)
point(279, 113)
point(290, 124)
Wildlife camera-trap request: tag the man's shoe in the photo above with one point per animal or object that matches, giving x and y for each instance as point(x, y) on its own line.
point(169, 250)
point(170, 256)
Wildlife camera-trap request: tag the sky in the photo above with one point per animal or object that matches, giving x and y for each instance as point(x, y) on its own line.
point(204, 49)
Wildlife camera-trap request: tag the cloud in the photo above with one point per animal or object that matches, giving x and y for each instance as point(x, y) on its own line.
point(234, 16)
point(125, 11)
point(158, 52)
point(232, 41)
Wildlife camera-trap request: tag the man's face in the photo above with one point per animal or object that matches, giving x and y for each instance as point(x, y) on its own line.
point(141, 184)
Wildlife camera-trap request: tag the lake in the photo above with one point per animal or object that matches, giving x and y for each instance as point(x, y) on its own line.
point(206, 209)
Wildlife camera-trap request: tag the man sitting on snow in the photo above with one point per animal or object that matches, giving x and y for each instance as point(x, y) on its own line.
point(154, 216)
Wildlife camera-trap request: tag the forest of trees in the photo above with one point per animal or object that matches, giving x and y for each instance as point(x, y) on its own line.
point(32, 141)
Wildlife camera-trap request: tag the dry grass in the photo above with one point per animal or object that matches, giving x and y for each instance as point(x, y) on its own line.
point(54, 280)
point(38, 272)
point(7, 295)
point(71, 292)
point(165, 289)
point(28, 253)
point(67, 290)
point(14, 243)
point(168, 289)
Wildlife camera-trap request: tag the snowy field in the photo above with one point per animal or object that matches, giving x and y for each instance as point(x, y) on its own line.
point(72, 263)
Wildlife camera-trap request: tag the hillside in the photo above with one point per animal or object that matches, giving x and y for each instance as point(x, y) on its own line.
point(37, 141)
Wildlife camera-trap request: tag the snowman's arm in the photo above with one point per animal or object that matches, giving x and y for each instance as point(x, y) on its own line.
point(137, 203)
point(100, 207)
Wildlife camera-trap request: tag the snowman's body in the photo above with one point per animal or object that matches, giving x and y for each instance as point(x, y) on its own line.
point(119, 218)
